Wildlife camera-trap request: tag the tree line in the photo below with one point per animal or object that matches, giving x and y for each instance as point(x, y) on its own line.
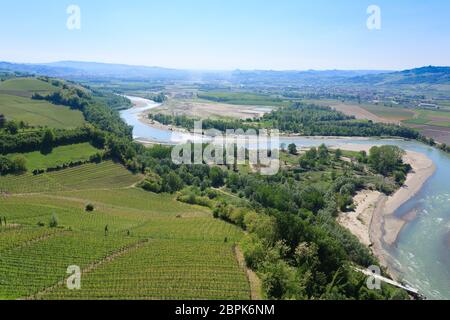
point(313, 120)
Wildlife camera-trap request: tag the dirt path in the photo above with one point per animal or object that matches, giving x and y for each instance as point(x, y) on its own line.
point(92, 267)
point(254, 281)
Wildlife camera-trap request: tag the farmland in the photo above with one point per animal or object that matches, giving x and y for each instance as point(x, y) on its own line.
point(26, 87)
point(59, 156)
point(39, 113)
point(154, 246)
point(106, 175)
point(16, 104)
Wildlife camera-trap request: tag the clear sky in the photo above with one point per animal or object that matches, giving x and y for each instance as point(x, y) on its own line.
point(229, 34)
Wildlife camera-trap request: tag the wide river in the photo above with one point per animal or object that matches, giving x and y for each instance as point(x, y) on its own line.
point(422, 251)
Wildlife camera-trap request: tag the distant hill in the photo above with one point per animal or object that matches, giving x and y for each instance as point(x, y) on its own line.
point(427, 75)
point(80, 70)
point(75, 70)
point(303, 78)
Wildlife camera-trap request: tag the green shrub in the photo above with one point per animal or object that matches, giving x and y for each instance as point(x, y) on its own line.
point(53, 221)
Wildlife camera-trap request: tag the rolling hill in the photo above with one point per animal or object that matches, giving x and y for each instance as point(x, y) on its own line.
point(426, 75)
point(16, 104)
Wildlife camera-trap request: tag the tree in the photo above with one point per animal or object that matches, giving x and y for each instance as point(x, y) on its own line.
point(2, 121)
point(338, 154)
point(217, 177)
point(90, 207)
point(292, 148)
point(19, 165)
point(311, 154)
point(12, 127)
point(385, 159)
point(172, 182)
point(48, 141)
point(5, 165)
point(152, 182)
point(322, 153)
point(53, 221)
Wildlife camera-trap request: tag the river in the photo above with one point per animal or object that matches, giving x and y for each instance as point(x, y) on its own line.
point(422, 251)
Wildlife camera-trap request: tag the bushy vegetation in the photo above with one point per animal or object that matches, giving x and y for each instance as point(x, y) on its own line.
point(313, 120)
point(188, 122)
point(16, 165)
point(299, 118)
point(45, 140)
point(242, 98)
point(157, 97)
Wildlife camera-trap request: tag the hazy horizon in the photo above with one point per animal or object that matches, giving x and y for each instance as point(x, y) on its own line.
point(193, 69)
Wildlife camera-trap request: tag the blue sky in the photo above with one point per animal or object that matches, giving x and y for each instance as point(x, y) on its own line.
point(229, 34)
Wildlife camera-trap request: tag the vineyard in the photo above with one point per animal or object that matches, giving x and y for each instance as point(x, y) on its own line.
point(58, 156)
point(176, 270)
point(91, 176)
point(134, 245)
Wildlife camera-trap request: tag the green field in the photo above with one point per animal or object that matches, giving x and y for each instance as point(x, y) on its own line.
point(39, 113)
point(155, 247)
point(26, 86)
point(59, 156)
point(431, 117)
point(391, 113)
point(243, 99)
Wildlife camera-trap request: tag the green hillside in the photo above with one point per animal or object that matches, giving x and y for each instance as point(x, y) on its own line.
point(59, 156)
point(155, 247)
point(26, 86)
point(39, 113)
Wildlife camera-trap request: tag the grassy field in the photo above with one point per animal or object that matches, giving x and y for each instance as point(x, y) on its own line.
point(59, 156)
point(392, 113)
point(26, 86)
point(431, 117)
point(155, 247)
point(39, 113)
point(243, 98)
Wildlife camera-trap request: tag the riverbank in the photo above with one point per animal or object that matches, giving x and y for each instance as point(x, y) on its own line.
point(373, 221)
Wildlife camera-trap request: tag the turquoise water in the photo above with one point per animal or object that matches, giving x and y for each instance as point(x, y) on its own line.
point(422, 251)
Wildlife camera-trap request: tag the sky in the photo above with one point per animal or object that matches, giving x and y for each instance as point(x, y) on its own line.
point(229, 34)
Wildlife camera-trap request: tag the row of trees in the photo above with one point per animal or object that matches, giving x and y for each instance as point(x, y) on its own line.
point(188, 122)
point(45, 139)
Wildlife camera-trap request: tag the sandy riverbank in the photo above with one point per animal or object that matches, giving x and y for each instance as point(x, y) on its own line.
point(374, 222)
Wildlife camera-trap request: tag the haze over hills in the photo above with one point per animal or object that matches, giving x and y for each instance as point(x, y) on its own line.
point(78, 70)
point(424, 75)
